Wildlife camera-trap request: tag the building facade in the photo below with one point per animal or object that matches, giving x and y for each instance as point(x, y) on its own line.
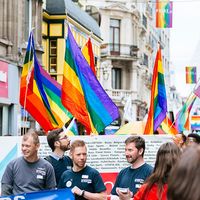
point(55, 20)
point(130, 42)
point(14, 29)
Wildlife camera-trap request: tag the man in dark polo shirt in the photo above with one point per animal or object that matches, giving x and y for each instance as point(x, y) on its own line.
point(85, 181)
point(59, 144)
point(132, 177)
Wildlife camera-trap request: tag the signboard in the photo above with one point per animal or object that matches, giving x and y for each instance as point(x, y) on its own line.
point(3, 79)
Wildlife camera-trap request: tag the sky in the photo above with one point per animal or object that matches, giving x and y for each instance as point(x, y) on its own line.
point(185, 42)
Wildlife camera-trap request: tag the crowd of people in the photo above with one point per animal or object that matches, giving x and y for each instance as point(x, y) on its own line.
point(174, 176)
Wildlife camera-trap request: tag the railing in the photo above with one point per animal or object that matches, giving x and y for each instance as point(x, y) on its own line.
point(110, 49)
point(118, 95)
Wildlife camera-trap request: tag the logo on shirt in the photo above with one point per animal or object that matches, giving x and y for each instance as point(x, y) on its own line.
point(40, 173)
point(69, 183)
point(138, 182)
point(85, 179)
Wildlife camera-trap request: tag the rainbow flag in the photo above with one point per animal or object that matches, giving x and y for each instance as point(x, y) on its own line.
point(82, 93)
point(191, 75)
point(164, 14)
point(182, 121)
point(72, 128)
point(40, 94)
point(88, 54)
point(158, 104)
point(195, 122)
point(168, 127)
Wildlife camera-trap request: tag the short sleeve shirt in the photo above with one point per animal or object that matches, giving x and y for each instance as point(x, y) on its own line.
point(132, 178)
point(26, 177)
point(87, 179)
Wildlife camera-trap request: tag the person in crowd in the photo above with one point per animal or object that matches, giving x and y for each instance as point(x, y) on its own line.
point(85, 181)
point(185, 177)
point(59, 143)
point(155, 187)
point(193, 138)
point(132, 177)
point(180, 140)
point(28, 173)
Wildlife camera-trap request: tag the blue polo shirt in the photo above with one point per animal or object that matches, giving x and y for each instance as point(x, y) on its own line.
point(87, 179)
point(132, 178)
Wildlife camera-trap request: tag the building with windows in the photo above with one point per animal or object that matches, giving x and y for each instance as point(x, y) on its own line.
point(14, 30)
point(55, 19)
point(47, 19)
point(128, 51)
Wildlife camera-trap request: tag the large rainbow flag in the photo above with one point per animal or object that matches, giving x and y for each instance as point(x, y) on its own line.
point(82, 94)
point(191, 75)
point(164, 14)
point(158, 104)
point(88, 54)
point(40, 94)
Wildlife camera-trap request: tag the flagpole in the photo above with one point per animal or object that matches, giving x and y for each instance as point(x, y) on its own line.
point(24, 119)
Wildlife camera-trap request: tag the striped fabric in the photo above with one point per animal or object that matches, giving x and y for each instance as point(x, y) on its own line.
point(164, 14)
point(168, 127)
point(40, 94)
point(191, 75)
point(82, 94)
point(183, 117)
point(158, 104)
point(197, 91)
point(88, 54)
point(195, 122)
point(72, 128)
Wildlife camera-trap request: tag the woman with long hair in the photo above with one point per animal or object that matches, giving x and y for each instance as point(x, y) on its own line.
point(155, 187)
point(185, 176)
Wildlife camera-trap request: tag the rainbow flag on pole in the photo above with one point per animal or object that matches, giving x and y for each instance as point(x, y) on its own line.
point(164, 14)
point(158, 104)
point(191, 75)
point(40, 94)
point(82, 94)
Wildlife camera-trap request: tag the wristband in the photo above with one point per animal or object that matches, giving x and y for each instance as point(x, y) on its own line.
point(82, 193)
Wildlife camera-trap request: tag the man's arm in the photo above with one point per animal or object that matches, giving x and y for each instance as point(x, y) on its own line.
point(89, 195)
point(6, 189)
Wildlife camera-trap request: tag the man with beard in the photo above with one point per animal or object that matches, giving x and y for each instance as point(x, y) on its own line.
point(59, 144)
point(85, 181)
point(132, 177)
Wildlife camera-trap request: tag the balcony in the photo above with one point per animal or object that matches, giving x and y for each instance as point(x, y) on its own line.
point(119, 50)
point(119, 95)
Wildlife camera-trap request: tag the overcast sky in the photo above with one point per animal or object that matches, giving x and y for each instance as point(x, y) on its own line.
point(185, 42)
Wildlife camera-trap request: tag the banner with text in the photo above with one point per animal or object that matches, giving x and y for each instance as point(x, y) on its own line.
point(105, 153)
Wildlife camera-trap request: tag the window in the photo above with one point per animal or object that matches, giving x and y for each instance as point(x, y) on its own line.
point(115, 36)
point(53, 56)
point(116, 78)
point(145, 60)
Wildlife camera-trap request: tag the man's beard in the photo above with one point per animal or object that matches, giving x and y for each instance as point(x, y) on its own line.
point(65, 147)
